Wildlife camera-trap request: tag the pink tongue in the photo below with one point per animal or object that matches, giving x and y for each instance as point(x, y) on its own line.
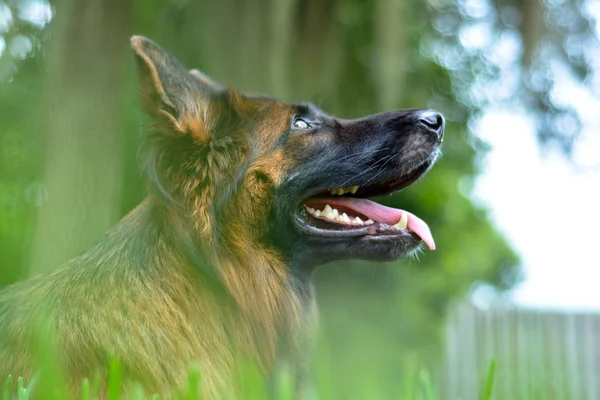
point(384, 214)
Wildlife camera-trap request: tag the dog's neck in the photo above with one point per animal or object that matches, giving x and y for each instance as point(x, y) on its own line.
point(255, 281)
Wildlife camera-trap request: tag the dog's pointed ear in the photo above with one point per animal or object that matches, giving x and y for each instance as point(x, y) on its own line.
point(170, 93)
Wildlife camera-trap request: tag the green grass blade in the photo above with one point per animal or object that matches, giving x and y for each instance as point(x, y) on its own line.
point(114, 380)
point(487, 389)
point(22, 393)
point(33, 382)
point(6, 395)
point(284, 384)
point(193, 392)
point(427, 384)
point(85, 389)
point(408, 383)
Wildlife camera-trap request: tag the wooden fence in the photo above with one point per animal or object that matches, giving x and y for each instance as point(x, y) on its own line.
point(540, 355)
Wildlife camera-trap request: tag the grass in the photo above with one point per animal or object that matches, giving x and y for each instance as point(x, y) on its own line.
point(422, 389)
point(487, 388)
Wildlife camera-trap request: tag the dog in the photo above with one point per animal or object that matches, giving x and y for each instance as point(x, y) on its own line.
point(247, 196)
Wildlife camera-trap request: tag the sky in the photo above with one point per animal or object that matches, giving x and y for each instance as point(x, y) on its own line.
point(548, 209)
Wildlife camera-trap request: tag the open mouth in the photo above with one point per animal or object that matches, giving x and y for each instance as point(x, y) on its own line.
point(348, 212)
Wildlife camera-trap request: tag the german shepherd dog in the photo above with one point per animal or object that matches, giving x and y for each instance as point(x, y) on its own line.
point(247, 196)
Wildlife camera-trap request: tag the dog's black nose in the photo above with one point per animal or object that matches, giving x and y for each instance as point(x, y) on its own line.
point(433, 121)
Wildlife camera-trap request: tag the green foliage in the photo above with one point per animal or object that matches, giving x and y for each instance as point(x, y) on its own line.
point(421, 387)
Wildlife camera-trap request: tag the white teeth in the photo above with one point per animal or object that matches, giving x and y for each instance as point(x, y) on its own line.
point(403, 223)
point(334, 215)
point(345, 218)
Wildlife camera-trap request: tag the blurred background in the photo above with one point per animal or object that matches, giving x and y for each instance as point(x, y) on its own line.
point(513, 204)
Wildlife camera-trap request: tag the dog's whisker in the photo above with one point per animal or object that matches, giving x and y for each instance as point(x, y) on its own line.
point(347, 181)
point(380, 171)
point(360, 153)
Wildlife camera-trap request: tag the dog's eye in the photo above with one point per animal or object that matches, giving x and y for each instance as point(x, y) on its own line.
point(299, 123)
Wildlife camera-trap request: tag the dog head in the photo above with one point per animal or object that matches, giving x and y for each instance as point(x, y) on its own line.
point(257, 170)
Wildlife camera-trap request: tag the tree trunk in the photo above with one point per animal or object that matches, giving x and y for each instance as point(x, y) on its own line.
point(84, 76)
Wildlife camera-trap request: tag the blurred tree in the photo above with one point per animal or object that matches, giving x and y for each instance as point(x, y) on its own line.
point(83, 92)
point(523, 51)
